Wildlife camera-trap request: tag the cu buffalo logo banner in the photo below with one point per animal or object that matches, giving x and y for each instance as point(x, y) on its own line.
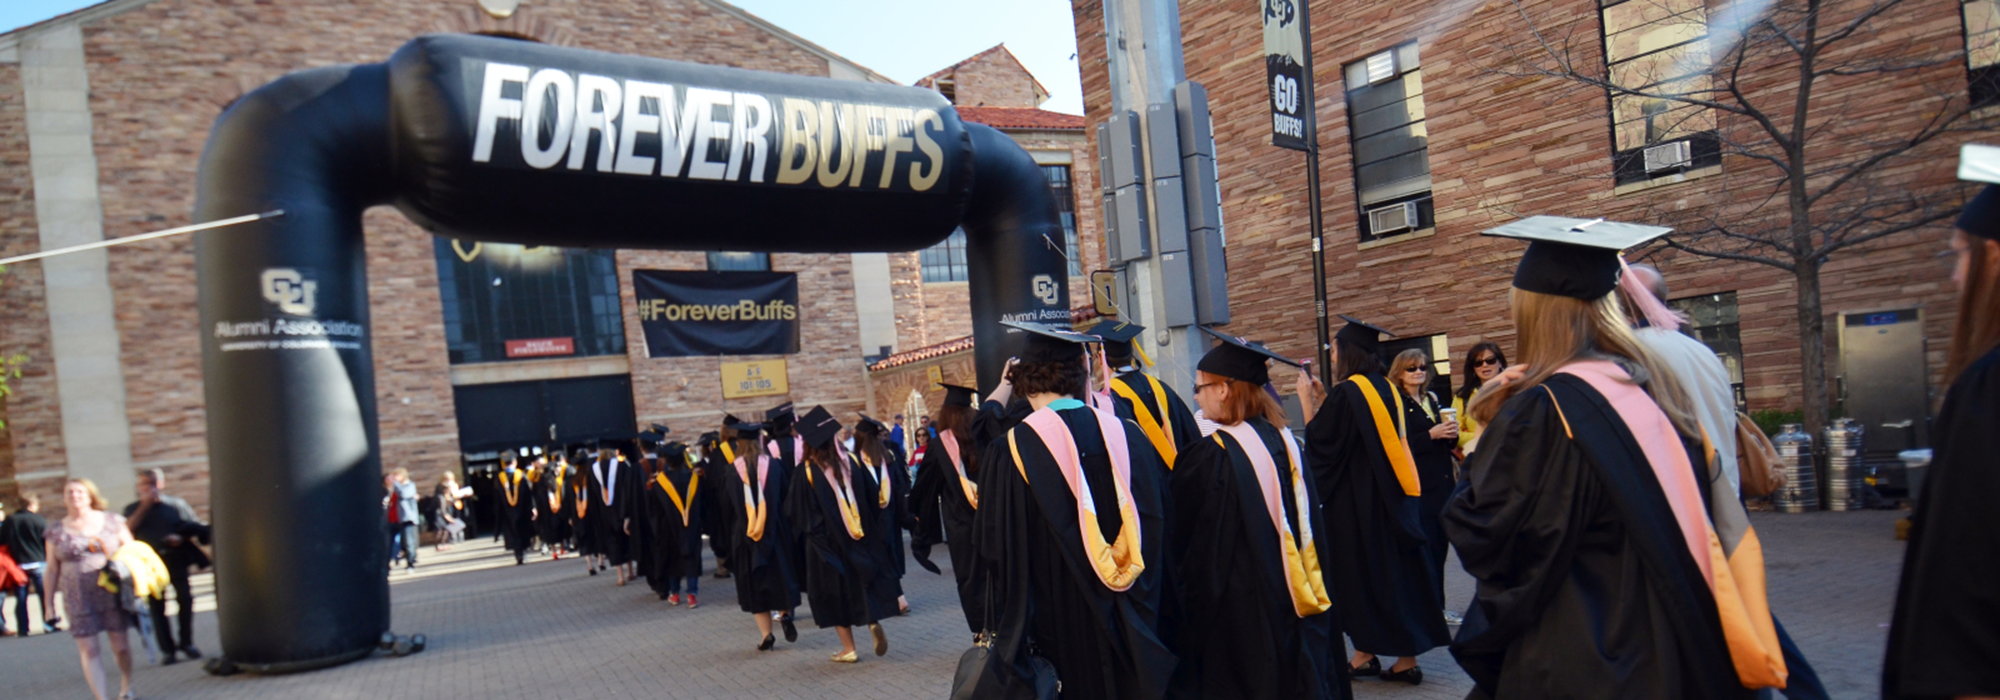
point(700, 313)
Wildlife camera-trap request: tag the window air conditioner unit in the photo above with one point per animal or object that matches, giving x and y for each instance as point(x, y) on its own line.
point(1668, 156)
point(1392, 219)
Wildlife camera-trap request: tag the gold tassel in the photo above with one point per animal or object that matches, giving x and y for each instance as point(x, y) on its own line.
point(1140, 353)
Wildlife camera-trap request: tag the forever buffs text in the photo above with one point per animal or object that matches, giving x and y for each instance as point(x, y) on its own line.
point(653, 129)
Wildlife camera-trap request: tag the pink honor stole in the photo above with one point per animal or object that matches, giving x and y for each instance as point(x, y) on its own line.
point(964, 484)
point(755, 512)
point(1117, 564)
point(1301, 555)
point(798, 448)
point(1736, 580)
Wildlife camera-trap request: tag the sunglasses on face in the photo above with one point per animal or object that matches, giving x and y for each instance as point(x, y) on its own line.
point(1414, 370)
point(1484, 361)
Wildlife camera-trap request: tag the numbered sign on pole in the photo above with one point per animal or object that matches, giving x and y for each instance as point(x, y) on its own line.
point(1285, 72)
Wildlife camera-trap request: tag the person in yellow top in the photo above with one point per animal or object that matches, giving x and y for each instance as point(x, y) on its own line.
point(1483, 362)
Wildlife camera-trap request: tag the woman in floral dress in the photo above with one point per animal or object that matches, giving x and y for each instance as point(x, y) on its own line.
point(79, 547)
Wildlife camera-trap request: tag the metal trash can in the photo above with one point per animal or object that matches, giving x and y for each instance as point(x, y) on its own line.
point(1801, 490)
point(1915, 464)
point(1844, 468)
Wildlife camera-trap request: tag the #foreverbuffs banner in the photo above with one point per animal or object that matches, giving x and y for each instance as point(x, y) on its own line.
point(699, 313)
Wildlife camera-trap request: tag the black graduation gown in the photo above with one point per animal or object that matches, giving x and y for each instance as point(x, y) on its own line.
point(1184, 430)
point(1945, 638)
point(787, 462)
point(609, 519)
point(485, 516)
point(1378, 564)
point(582, 527)
point(1239, 636)
point(715, 508)
point(675, 550)
point(553, 524)
point(943, 514)
point(762, 568)
point(848, 582)
point(1433, 460)
point(1586, 587)
point(894, 518)
point(517, 523)
point(1104, 644)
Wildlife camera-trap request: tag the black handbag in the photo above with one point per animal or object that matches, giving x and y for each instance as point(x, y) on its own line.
point(984, 675)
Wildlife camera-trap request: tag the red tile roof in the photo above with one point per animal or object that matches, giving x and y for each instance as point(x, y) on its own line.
point(1076, 316)
point(1020, 118)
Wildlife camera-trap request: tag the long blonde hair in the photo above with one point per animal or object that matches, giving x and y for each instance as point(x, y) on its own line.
point(1403, 362)
point(1554, 331)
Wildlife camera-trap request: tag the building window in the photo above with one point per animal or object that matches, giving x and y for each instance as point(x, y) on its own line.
point(1712, 319)
point(1655, 51)
point(740, 262)
point(1392, 167)
point(945, 262)
point(493, 293)
point(1982, 51)
point(1066, 204)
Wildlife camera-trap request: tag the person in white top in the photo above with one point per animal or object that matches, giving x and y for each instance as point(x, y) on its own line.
point(1701, 374)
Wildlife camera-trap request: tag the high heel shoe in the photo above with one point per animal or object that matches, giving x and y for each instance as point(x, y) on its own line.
point(768, 643)
point(791, 632)
point(1412, 676)
point(1372, 668)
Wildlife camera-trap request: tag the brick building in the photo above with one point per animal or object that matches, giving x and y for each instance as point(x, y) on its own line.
point(1427, 98)
point(103, 116)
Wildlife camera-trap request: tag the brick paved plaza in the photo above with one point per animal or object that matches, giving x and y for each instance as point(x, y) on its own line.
point(547, 630)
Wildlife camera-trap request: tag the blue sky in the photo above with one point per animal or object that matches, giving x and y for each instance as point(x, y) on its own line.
point(902, 39)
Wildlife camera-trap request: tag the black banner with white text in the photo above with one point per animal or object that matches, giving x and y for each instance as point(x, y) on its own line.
point(701, 313)
point(1285, 73)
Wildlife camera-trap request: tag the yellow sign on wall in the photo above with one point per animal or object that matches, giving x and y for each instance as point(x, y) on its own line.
point(741, 380)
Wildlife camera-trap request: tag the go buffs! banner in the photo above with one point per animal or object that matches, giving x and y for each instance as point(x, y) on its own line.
point(700, 313)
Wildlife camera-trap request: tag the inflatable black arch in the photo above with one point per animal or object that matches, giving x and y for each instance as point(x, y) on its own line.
point(500, 140)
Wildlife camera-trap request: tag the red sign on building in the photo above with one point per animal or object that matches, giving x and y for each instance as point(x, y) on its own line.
point(540, 347)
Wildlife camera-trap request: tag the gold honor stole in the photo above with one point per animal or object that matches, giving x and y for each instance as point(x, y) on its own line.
point(728, 453)
point(1395, 444)
point(755, 512)
point(881, 475)
point(511, 486)
point(1117, 564)
point(1734, 576)
point(850, 514)
point(971, 490)
point(694, 483)
point(582, 499)
point(1156, 430)
point(1302, 572)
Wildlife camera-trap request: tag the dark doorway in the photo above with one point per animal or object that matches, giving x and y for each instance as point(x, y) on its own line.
point(546, 412)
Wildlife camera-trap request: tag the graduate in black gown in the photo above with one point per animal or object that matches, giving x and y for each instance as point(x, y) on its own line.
point(614, 496)
point(1380, 562)
point(834, 512)
point(576, 509)
point(1945, 638)
point(709, 462)
point(754, 490)
point(551, 489)
point(1613, 560)
point(674, 500)
point(945, 496)
point(517, 506)
point(1077, 581)
point(1159, 412)
point(1257, 616)
point(873, 451)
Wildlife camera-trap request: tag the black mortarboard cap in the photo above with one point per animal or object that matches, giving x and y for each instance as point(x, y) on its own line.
point(955, 395)
point(782, 415)
point(1237, 358)
point(1575, 258)
point(708, 438)
point(1362, 334)
point(1117, 336)
point(818, 427)
point(869, 426)
point(1981, 216)
point(740, 430)
point(1051, 343)
point(674, 451)
point(661, 430)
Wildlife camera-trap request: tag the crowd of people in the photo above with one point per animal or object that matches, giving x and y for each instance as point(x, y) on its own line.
point(1110, 540)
